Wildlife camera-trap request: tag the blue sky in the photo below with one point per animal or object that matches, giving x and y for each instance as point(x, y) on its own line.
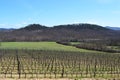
point(19, 13)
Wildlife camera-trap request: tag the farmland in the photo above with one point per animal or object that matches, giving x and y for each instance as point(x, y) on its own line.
point(29, 60)
point(41, 46)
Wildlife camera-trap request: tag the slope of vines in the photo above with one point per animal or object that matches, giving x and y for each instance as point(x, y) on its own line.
point(58, 64)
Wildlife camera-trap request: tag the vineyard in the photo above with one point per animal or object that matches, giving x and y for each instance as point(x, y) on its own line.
point(24, 63)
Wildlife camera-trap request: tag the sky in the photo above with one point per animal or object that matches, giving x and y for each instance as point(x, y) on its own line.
point(20, 13)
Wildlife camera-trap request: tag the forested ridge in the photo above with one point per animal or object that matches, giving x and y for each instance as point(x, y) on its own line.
point(68, 32)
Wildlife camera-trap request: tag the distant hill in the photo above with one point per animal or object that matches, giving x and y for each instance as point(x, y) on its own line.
point(69, 32)
point(81, 27)
point(113, 28)
point(6, 29)
point(33, 27)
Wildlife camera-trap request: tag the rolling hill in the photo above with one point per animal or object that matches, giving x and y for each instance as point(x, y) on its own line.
point(32, 27)
point(69, 32)
point(113, 28)
point(7, 29)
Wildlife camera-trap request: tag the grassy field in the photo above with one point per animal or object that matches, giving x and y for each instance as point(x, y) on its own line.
point(40, 46)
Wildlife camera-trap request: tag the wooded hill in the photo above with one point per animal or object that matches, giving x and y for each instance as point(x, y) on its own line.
point(69, 32)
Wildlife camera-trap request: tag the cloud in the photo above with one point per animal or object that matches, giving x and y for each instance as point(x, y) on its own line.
point(13, 25)
point(20, 24)
point(4, 25)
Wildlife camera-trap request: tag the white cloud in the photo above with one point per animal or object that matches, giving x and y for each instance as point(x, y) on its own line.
point(18, 24)
point(4, 25)
point(13, 25)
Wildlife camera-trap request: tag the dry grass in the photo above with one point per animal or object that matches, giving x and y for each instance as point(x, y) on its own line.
point(98, 79)
point(36, 79)
point(59, 79)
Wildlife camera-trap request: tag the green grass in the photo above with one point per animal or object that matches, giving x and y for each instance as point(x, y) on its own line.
point(40, 46)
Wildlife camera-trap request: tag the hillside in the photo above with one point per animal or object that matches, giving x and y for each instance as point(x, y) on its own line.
point(6, 29)
point(81, 27)
point(113, 28)
point(69, 32)
point(32, 27)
